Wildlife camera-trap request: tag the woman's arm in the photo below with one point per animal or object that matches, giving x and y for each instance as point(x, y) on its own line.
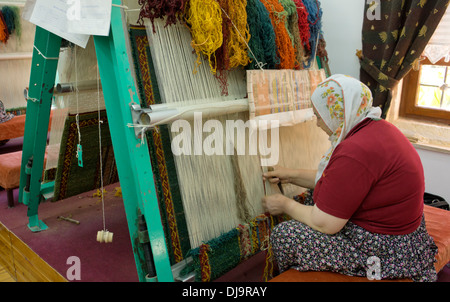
point(310, 215)
point(300, 177)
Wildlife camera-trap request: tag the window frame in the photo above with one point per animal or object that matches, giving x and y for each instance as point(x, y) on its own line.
point(410, 93)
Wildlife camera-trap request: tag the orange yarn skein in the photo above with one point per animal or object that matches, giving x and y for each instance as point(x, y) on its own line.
point(285, 49)
point(4, 35)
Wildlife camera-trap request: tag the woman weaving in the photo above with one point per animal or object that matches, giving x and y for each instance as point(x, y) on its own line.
point(367, 195)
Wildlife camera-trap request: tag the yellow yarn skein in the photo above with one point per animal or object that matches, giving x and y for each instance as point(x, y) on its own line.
point(205, 23)
point(239, 34)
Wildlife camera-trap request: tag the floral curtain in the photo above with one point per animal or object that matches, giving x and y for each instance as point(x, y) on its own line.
point(394, 35)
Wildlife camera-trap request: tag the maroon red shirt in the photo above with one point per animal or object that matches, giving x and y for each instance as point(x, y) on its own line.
point(375, 179)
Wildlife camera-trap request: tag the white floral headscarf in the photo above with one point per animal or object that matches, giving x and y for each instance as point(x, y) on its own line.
point(342, 102)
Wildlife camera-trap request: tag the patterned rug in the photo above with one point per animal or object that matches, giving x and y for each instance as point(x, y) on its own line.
point(70, 179)
point(163, 164)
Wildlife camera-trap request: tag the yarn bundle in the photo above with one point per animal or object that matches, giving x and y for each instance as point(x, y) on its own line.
point(154, 9)
point(254, 34)
point(9, 22)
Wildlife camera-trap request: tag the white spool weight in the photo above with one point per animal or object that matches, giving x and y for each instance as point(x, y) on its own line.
point(104, 236)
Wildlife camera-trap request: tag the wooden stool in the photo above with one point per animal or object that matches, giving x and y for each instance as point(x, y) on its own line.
point(10, 173)
point(438, 225)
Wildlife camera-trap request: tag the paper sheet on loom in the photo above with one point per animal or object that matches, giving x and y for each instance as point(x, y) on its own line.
point(282, 95)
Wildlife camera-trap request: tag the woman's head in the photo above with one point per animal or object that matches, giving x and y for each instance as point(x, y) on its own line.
point(341, 102)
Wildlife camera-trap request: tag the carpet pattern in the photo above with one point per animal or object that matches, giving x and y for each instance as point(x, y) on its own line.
point(159, 143)
point(70, 179)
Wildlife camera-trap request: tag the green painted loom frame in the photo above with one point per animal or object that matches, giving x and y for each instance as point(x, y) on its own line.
point(136, 178)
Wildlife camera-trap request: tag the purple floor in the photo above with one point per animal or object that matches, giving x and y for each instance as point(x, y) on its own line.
point(99, 261)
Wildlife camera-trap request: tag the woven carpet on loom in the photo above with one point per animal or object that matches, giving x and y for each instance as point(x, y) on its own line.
point(70, 179)
point(159, 143)
point(219, 255)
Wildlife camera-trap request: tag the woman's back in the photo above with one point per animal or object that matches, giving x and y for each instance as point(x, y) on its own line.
point(374, 178)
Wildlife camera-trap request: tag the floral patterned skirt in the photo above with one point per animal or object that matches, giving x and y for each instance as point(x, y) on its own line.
point(354, 250)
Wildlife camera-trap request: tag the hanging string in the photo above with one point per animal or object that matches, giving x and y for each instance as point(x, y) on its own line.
point(285, 48)
point(76, 97)
point(100, 121)
point(79, 153)
point(262, 37)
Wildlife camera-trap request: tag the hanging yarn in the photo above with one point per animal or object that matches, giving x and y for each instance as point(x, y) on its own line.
point(262, 37)
point(303, 24)
point(205, 24)
point(239, 33)
point(222, 56)
point(315, 27)
point(153, 9)
point(293, 29)
point(4, 35)
point(236, 36)
point(288, 10)
point(9, 17)
point(285, 48)
point(17, 23)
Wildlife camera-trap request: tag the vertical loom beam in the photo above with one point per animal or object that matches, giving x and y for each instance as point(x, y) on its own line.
point(132, 158)
point(42, 81)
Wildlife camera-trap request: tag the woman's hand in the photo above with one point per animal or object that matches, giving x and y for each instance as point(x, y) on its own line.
point(275, 204)
point(300, 177)
point(279, 174)
point(312, 216)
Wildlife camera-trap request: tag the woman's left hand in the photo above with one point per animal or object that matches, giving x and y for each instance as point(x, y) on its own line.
point(275, 204)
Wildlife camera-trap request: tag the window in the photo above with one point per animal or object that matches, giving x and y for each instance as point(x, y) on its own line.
point(433, 87)
point(426, 92)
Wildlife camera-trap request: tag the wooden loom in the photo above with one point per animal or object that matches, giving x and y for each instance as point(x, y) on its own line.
point(138, 185)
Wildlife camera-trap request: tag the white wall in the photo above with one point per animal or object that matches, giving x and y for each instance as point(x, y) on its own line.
point(342, 24)
point(342, 27)
point(436, 167)
point(15, 74)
